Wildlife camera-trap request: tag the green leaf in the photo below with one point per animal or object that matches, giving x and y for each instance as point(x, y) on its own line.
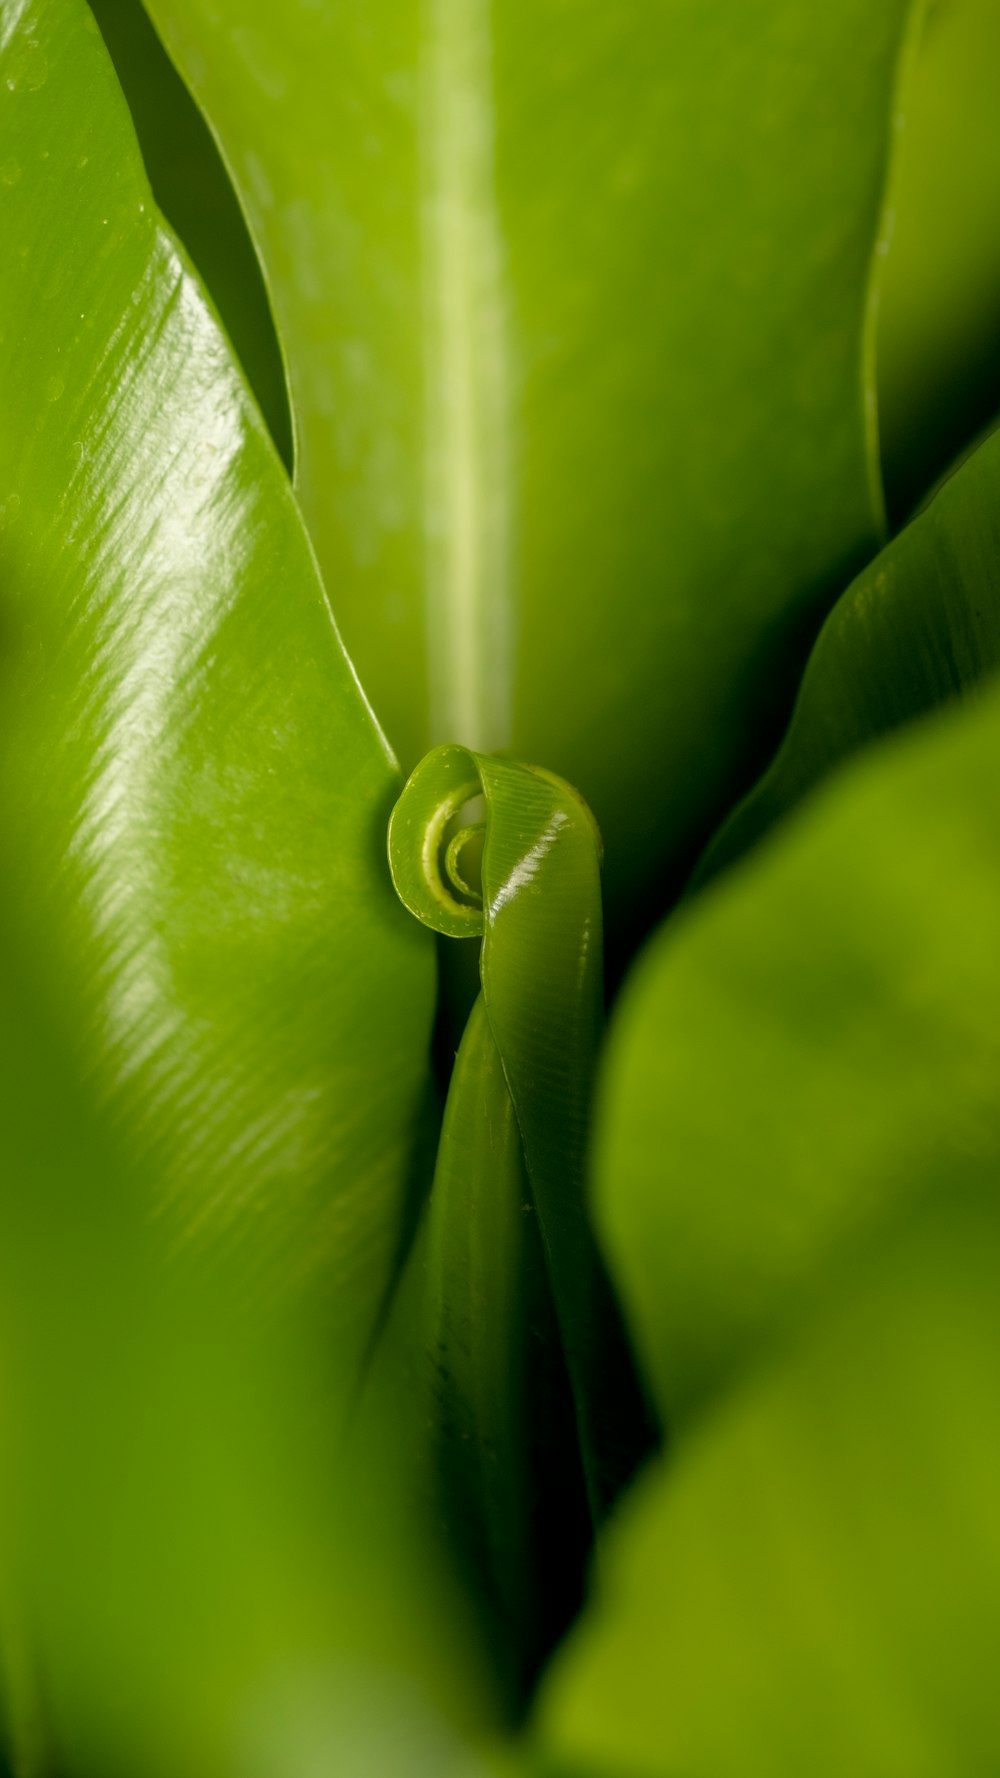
point(473, 1351)
point(576, 307)
point(539, 915)
point(194, 792)
point(802, 1049)
point(812, 1587)
point(918, 628)
point(195, 1574)
point(194, 193)
point(938, 363)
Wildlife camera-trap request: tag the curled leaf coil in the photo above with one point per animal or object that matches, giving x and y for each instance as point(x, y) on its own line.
point(537, 910)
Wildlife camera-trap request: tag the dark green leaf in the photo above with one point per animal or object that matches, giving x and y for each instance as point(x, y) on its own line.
point(939, 309)
point(194, 193)
point(919, 627)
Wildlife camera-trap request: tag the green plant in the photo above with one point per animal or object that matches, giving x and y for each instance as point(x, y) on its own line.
point(588, 316)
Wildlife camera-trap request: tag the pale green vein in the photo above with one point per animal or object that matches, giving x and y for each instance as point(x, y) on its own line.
point(468, 533)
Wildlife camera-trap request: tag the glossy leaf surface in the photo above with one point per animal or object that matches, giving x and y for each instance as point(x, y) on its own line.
point(539, 914)
point(194, 792)
point(194, 193)
point(575, 301)
point(813, 1586)
point(918, 628)
point(802, 1049)
point(474, 1352)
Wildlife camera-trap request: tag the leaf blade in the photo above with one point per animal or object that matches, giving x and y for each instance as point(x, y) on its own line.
point(547, 524)
point(195, 837)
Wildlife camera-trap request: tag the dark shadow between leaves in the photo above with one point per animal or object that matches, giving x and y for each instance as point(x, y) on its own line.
point(193, 189)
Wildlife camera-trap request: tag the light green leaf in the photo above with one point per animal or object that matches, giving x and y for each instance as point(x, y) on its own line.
point(918, 628)
point(538, 911)
point(193, 790)
point(194, 193)
point(804, 1048)
point(195, 1574)
point(575, 300)
point(814, 1585)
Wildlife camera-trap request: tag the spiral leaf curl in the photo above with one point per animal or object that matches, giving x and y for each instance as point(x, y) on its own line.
point(538, 913)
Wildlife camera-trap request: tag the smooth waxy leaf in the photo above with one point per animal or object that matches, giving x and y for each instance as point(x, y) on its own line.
point(195, 1576)
point(575, 302)
point(939, 311)
point(473, 1349)
point(193, 789)
point(194, 193)
point(803, 1049)
point(918, 628)
point(538, 911)
point(813, 1586)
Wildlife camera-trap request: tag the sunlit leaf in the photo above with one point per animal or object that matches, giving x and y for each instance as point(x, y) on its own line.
point(576, 307)
point(193, 790)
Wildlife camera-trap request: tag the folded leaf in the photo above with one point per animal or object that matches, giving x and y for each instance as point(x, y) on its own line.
point(195, 194)
point(918, 628)
point(473, 1352)
point(576, 307)
point(803, 1049)
point(815, 1585)
point(538, 911)
point(193, 791)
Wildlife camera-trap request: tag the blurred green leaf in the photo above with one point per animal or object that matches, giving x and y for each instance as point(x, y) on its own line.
point(194, 792)
point(196, 1574)
point(938, 348)
point(814, 1585)
point(918, 628)
point(802, 1049)
point(576, 307)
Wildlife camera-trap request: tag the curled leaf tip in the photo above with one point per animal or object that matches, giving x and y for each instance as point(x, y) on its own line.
point(428, 841)
point(436, 841)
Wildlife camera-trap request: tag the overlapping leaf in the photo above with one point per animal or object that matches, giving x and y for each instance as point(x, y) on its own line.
point(193, 1575)
point(918, 628)
point(514, 1144)
point(575, 302)
point(815, 1036)
point(193, 790)
point(815, 1586)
